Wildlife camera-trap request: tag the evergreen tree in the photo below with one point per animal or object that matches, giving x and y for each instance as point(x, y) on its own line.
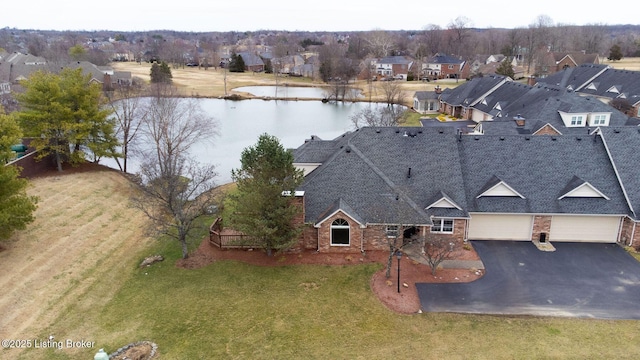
point(261, 206)
point(16, 207)
point(505, 68)
point(237, 63)
point(615, 53)
point(64, 115)
point(161, 73)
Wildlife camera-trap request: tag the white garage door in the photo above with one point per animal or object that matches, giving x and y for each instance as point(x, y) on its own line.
point(584, 228)
point(500, 227)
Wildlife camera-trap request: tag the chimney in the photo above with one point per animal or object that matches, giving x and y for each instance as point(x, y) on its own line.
point(520, 121)
point(531, 81)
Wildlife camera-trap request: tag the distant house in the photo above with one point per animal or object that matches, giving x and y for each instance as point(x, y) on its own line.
point(602, 82)
point(552, 62)
point(252, 62)
point(15, 67)
point(443, 66)
point(288, 64)
point(397, 67)
point(426, 101)
point(502, 106)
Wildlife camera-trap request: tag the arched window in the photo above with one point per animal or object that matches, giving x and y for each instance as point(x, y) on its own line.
point(340, 232)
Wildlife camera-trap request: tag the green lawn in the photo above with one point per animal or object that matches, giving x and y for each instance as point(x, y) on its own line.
point(238, 311)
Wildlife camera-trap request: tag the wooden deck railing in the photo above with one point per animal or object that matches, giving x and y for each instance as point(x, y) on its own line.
point(229, 238)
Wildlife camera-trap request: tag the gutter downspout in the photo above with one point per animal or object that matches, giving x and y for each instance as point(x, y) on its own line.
point(633, 233)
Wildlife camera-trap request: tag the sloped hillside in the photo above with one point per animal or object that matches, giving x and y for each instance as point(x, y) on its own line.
point(84, 234)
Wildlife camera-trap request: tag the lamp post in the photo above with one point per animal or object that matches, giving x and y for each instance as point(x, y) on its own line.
point(399, 256)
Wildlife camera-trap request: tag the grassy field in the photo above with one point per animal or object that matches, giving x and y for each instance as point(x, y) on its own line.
point(237, 311)
point(192, 81)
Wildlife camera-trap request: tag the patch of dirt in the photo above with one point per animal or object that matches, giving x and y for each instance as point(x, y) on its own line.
point(411, 272)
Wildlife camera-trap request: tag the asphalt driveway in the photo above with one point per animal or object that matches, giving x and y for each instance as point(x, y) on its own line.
point(577, 280)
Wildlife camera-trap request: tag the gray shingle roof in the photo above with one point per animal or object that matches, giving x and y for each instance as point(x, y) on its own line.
point(471, 91)
point(539, 168)
point(382, 168)
point(391, 175)
point(623, 145)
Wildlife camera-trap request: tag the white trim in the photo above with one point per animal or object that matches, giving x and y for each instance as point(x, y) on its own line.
point(339, 227)
point(487, 192)
point(295, 193)
point(442, 220)
point(444, 200)
point(571, 193)
point(545, 125)
point(317, 225)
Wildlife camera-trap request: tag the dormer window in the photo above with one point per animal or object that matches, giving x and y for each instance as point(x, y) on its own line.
point(577, 120)
point(600, 119)
point(614, 89)
point(592, 86)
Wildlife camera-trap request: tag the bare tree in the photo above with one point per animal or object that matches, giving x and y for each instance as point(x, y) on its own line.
point(176, 190)
point(459, 34)
point(380, 116)
point(130, 114)
point(380, 43)
point(393, 92)
point(396, 230)
point(436, 250)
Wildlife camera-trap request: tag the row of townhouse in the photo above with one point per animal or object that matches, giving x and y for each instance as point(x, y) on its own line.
point(502, 106)
point(15, 67)
point(361, 187)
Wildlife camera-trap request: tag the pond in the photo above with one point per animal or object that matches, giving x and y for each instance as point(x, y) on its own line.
point(242, 122)
point(292, 92)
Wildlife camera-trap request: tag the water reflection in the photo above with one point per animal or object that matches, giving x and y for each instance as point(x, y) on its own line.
point(294, 92)
point(241, 122)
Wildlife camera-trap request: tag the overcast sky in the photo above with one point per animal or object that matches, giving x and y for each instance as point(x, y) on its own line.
point(305, 15)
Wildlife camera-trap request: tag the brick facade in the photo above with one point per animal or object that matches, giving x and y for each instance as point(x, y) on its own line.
point(541, 224)
point(630, 233)
point(373, 237)
point(355, 235)
point(547, 130)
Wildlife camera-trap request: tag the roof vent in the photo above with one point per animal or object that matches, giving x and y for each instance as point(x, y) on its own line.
point(377, 131)
point(617, 131)
point(348, 149)
point(501, 137)
point(476, 138)
point(440, 131)
point(527, 137)
point(579, 138)
point(553, 138)
point(409, 174)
